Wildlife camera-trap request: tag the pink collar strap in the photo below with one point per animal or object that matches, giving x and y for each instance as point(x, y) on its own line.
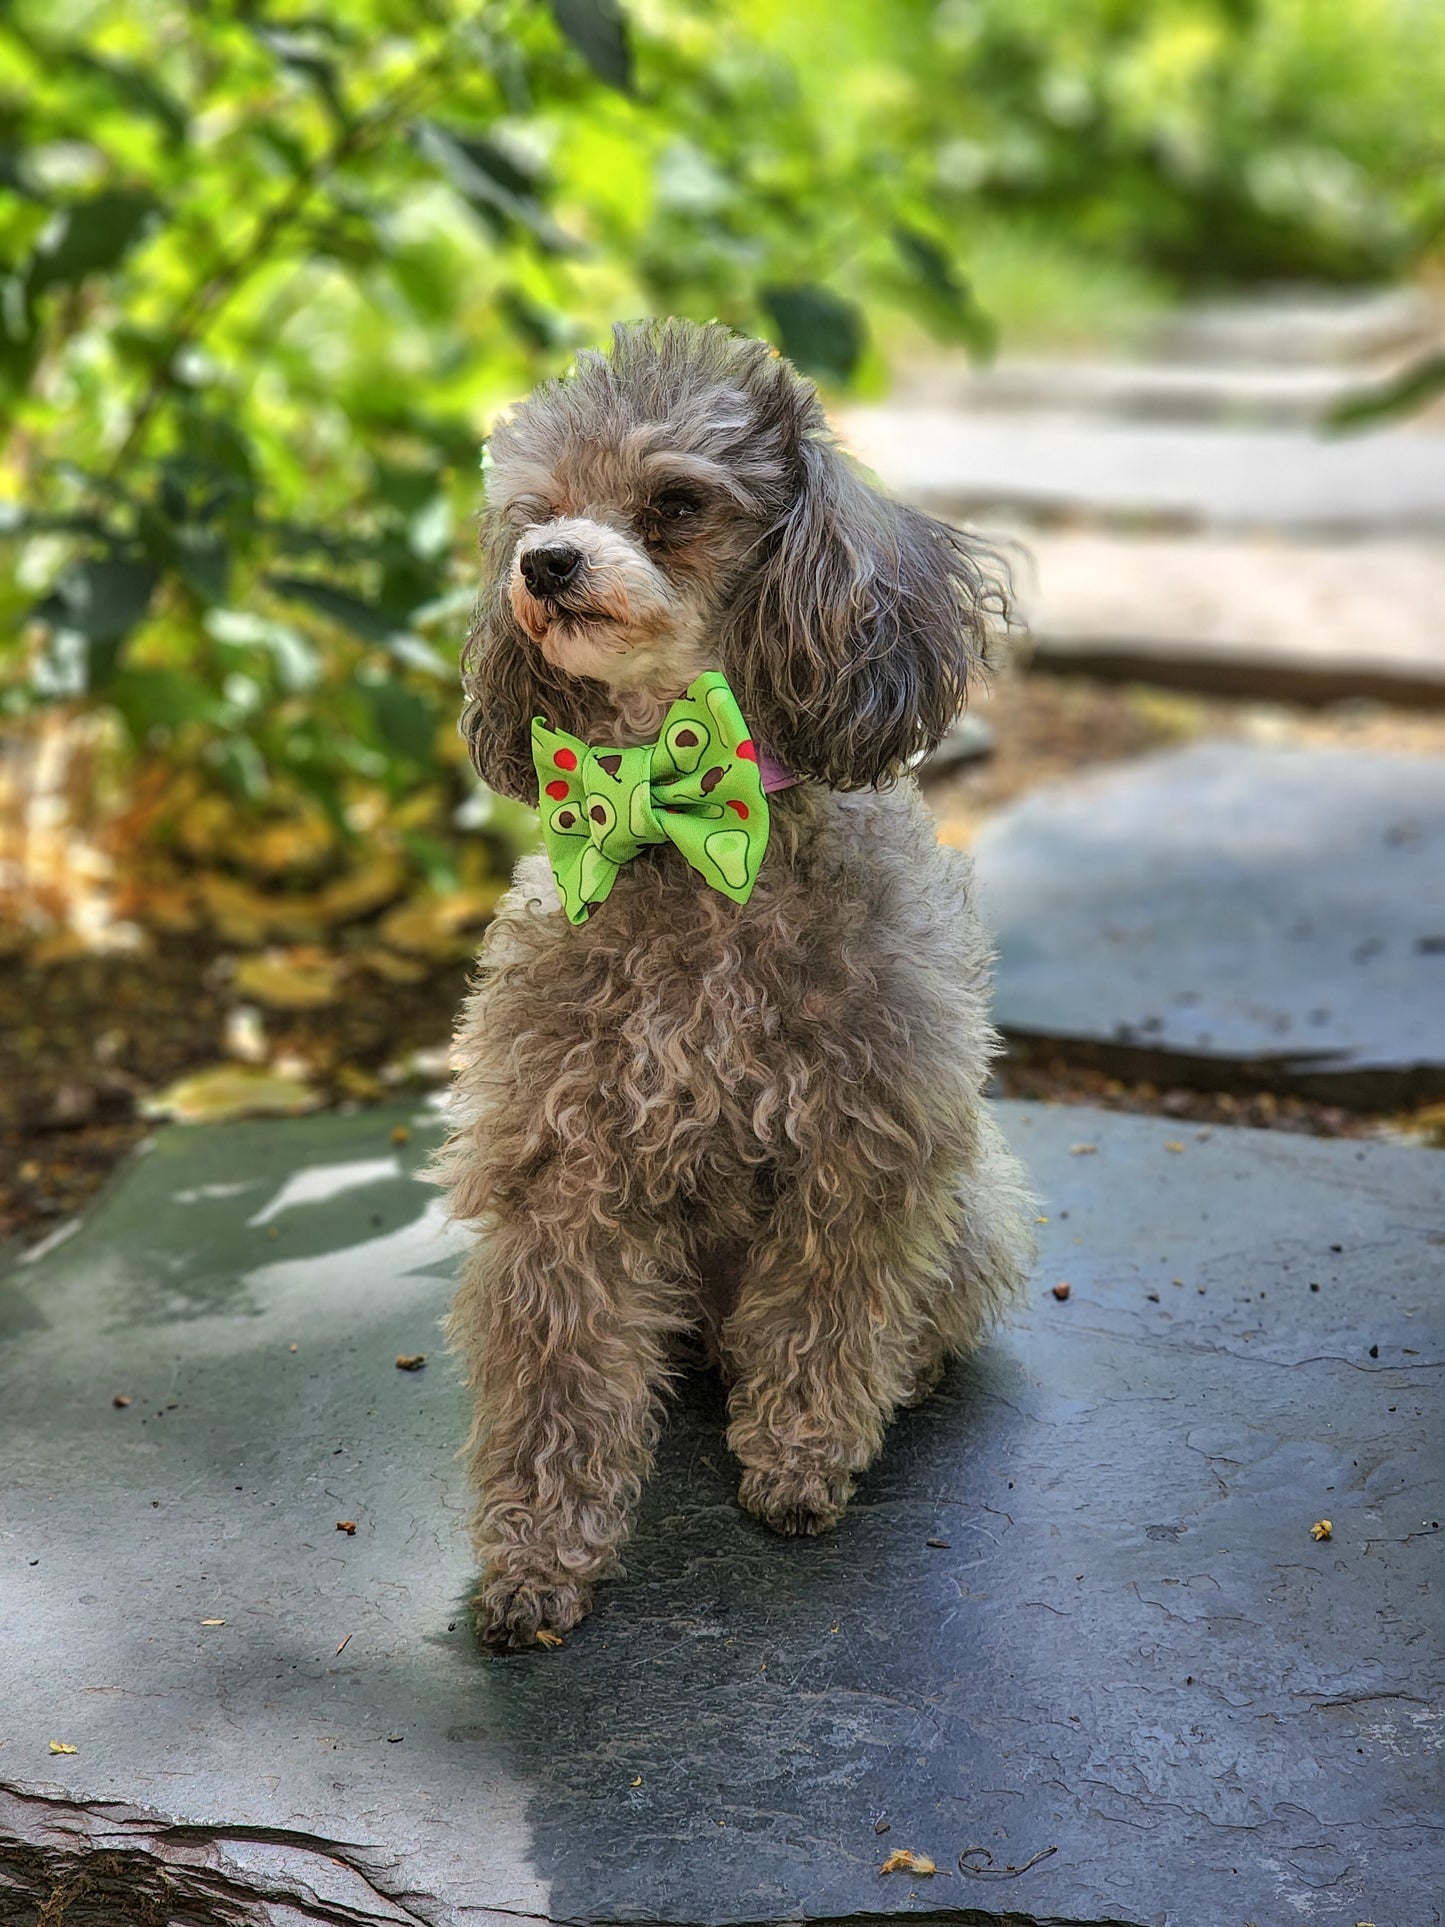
point(775, 775)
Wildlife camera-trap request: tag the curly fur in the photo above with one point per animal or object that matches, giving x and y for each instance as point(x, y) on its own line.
point(762, 1123)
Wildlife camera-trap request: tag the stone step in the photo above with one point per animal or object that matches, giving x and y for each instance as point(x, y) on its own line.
point(1302, 327)
point(1278, 620)
point(1172, 477)
point(1161, 391)
point(1075, 1629)
point(1232, 917)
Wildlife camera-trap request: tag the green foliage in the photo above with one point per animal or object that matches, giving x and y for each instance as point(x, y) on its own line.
point(267, 272)
point(1421, 381)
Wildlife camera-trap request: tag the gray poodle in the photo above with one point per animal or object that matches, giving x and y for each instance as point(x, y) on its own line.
point(752, 1116)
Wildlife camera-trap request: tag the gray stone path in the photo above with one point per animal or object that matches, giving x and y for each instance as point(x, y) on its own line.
point(1293, 328)
point(1288, 359)
point(1168, 476)
point(1232, 544)
point(1160, 391)
point(1245, 915)
point(1077, 1605)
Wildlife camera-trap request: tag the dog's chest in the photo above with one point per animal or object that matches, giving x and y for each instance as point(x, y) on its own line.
point(665, 1022)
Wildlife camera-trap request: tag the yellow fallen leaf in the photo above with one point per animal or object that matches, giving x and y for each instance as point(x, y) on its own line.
point(228, 1091)
point(410, 1361)
point(1321, 1529)
point(213, 1622)
point(377, 881)
point(1173, 1144)
point(389, 964)
point(636, 1782)
point(306, 978)
point(60, 1746)
point(903, 1860)
point(243, 914)
point(438, 927)
point(546, 1637)
point(1082, 1150)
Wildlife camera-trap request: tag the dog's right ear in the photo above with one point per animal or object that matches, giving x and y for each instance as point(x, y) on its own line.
point(507, 680)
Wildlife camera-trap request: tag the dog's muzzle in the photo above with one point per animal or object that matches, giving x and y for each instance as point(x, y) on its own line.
point(548, 569)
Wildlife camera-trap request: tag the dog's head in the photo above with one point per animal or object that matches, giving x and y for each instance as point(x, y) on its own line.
point(679, 505)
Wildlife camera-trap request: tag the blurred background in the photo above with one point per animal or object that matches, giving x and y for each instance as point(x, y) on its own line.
point(1148, 291)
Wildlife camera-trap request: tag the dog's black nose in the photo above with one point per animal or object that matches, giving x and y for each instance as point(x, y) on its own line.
point(547, 571)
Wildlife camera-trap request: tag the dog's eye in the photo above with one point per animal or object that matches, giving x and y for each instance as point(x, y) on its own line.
point(676, 505)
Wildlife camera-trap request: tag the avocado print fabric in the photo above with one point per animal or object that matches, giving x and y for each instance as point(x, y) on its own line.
point(698, 786)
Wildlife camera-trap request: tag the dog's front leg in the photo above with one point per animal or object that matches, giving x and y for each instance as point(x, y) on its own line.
point(562, 1326)
point(830, 1327)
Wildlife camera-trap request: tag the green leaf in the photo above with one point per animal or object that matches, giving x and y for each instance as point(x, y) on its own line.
point(404, 487)
point(213, 443)
point(132, 85)
point(299, 53)
point(90, 237)
point(12, 177)
point(197, 552)
point(369, 620)
point(491, 182)
point(101, 600)
point(202, 559)
point(950, 291)
point(817, 329)
point(405, 724)
point(598, 30)
point(1402, 394)
point(160, 699)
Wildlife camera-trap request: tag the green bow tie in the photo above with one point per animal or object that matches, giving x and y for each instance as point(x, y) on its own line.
point(698, 786)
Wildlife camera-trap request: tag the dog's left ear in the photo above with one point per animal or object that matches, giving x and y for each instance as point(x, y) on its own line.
point(851, 646)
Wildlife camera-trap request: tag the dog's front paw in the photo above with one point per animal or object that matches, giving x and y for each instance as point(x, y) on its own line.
point(795, 1500)
point(514, 1612)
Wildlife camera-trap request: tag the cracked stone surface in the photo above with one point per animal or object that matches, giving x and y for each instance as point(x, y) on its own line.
point(1227, 913)
point(1077, 1604)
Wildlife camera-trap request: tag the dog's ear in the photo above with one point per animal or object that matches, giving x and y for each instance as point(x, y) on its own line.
point(507, 680)
point(853, 640)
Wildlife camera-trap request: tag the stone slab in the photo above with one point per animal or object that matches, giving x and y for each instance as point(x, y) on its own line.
point(1227, 910)
point(1156, 391)
point(1077, 1605)
point(1390, 481)
point(1296, 327)
point(1307, 622)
